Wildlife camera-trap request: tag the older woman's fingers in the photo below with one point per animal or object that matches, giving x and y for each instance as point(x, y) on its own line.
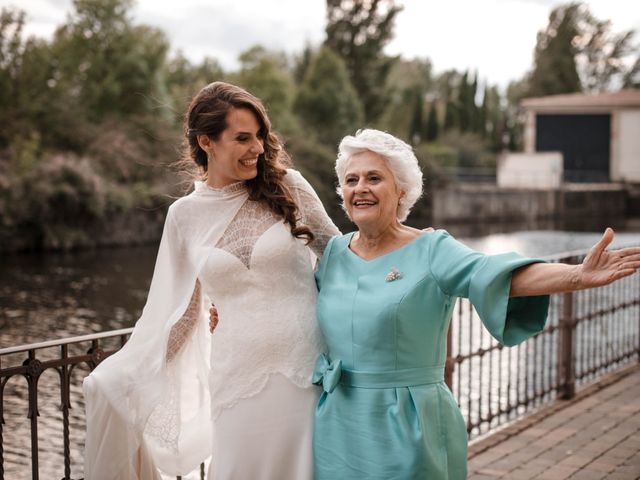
point(633, 264)
point(605, 241)
point(623, 273)
point(631, 252)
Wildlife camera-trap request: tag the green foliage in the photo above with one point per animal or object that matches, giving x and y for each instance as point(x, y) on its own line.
point(604, 58)
point(91, 119)
point(316, 162)
point(62, 194)
point(108, 65)
point(470, 148)
point(450, 115)
point(327, 102)
point(555, 68)
point(265, 74)
point(432, 127)
point(358, 31)
point(24, 70)
point(409, 83)
point(183, 80)
point(83, 118)
point(417, 122)
point(631, 78)
point(494, 118)
point(302, 63)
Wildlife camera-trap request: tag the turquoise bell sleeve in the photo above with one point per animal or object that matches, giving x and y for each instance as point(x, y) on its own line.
point(486, 281)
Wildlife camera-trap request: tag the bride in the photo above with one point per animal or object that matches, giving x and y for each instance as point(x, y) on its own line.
point(245, 239)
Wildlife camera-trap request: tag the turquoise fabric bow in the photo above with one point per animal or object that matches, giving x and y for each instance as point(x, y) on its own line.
point(327, 373)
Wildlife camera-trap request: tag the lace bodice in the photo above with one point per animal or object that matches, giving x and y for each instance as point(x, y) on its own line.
point(251, 221)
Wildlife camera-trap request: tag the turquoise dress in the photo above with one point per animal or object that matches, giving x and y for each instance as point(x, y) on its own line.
point(386, 412)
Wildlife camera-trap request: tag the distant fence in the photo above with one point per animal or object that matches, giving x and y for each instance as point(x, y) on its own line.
point(589, 333)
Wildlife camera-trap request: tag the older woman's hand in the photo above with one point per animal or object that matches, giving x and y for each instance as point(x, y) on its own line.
point(601, 267)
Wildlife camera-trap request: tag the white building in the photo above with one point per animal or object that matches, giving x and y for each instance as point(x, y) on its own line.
point(595, 137)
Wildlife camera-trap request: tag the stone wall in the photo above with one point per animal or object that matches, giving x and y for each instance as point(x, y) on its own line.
point(489, 203)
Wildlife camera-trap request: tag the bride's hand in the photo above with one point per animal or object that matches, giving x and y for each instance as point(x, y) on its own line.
point(601, 267)
point(213, 318)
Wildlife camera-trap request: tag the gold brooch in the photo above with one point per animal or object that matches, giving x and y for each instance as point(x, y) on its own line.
point(394, 274)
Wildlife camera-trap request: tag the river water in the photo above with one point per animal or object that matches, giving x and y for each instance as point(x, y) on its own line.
point(51, 296)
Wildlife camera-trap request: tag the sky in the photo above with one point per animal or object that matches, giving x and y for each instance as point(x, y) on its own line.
point(494, 37)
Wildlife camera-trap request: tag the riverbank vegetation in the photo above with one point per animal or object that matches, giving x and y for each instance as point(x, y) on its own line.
point(90, 120)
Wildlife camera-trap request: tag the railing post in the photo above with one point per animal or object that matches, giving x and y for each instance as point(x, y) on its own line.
point(34, 369)
point(2, 384)
point(450, 363)
point(566, 356)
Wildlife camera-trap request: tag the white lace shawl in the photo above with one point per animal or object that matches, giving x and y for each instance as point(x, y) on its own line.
point(153, 395)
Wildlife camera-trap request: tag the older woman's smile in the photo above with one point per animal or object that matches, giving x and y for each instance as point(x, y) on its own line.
point(363, 203)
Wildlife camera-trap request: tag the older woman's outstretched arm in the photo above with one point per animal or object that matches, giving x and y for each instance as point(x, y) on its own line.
point(600, 267)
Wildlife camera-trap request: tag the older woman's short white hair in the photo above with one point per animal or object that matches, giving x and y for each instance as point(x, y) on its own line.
point(400, 159)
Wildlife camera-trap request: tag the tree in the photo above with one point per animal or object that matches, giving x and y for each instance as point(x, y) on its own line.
point(514, 115)
point(432, 129)
point(450, 115)
point(185, 80)
point(110, 65)
point(417, 122)
point(11, 55)
point(632, 77)
point(555, 68)
point(494, 118)
point(327, 102)
point(409, 83)
point(604, 58)
point(358, 30)
point(265, 74)
point(301, 64)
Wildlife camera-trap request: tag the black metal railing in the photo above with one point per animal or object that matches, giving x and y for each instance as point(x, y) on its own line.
point(65, 358)
point(588, 334)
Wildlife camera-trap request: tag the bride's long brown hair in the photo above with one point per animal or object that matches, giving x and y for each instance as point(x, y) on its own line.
point(207, 115)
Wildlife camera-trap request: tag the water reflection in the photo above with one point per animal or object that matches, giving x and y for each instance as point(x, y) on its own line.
point(541, 243)
point(60, 295)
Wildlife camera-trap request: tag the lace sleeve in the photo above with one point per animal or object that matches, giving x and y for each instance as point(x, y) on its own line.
point(312, 212)
point(182, 328)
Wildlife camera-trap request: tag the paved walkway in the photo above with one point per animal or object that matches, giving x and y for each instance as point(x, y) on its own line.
point(593, 436)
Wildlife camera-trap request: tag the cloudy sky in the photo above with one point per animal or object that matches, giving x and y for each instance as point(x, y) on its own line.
point(496, 37)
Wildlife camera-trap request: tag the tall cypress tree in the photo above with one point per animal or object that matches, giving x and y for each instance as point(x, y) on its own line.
point(415, 132)
point(465, 113)
point(326, 101)
point(450, 115)
point(358, 30)
point(432, 126)
point(555, 69)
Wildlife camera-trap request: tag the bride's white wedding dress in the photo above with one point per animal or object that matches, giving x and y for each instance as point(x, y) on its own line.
point(176, 394)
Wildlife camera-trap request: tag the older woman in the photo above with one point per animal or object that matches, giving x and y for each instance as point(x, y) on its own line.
point(386, 296)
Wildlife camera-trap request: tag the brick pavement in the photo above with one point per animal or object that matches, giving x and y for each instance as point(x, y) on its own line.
point(591, 437)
